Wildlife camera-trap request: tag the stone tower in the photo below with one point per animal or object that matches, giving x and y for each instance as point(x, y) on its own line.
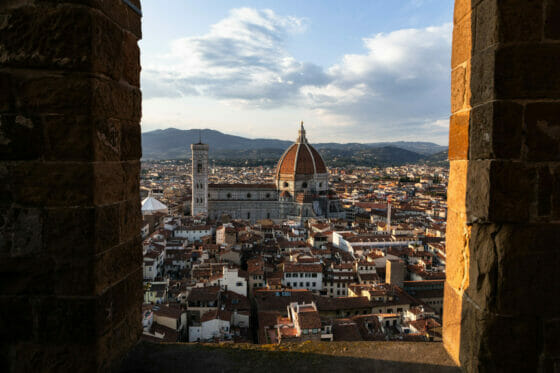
point(199, 204)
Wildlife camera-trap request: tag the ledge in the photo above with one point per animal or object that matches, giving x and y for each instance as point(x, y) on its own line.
point(307, 356)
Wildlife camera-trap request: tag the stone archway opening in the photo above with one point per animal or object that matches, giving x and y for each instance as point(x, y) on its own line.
point(70, 255)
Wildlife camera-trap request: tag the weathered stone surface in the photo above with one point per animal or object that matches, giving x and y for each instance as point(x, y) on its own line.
point(482, 76)
point(496, 130)
point(527, 71)
point(460, 87)
point(519, 20)
point(543, 131)
point(459, 136)
point(21, 137)
point(456, 190)
point(499, 191)
point(486, 30)
point(462, 42)
point(552, 20)
point(114, 264)
point(457, 248)
point(317, 357)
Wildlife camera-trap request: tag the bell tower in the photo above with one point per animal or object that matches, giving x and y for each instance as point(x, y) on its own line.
point(199, 204)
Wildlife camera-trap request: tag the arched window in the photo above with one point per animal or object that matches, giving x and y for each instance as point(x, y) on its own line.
point(229, 195)
point(286, 184)
point(304, 185)
point(199, 167)
point(248, 195)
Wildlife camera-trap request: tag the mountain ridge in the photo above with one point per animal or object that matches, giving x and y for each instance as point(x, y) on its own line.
point(173, 143)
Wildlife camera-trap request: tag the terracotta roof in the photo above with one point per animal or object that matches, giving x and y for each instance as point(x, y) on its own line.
point(309, 319)
point(301, 159)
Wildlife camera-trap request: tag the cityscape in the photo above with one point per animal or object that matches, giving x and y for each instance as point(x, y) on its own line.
point(294, 252)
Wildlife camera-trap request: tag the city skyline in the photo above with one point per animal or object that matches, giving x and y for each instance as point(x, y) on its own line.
point(254, 69)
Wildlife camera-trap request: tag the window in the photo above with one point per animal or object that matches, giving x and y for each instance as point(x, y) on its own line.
point(315, 331)
point(320, 185)
point(295, 275)
point(288, 275)
point(313, 275)
point(314, 284)
point(307, 284)
point(268, 215)
point(304, 185)
point(305, 331)
point(248, 195)
point(199, 167)
point(285, 184)
point(267, 195)
point(287, 284)
point(248, 215)
point(301, 284)
point(238, 284)
point(229, 195)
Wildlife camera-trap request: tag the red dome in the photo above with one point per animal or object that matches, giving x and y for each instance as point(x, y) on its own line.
point(301, 159)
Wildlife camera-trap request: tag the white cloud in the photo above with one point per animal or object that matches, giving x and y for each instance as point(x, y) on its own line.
point(399, 86)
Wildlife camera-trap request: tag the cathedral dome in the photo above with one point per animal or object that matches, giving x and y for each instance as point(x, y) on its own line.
point(300, 159)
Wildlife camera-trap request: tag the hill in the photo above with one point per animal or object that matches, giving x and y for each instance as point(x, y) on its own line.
point(232, 150)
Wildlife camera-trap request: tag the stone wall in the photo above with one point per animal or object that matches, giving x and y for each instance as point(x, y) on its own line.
point(501, 309)
point(70, 254)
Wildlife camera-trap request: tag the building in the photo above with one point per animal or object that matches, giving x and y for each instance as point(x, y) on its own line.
point(300, 189)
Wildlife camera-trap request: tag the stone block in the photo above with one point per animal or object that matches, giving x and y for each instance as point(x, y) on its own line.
point(69, 231)
point(462, 42)
point(457, 248)
point(543, 131)
point(556, 192)
point(107, 139)
point(47, 37)
point(461, 9)
point(459, 136)
point(132, 179)
point(112, 265)
point(123, 296)
point(527, 71)
point(24, 276)
point(452, 305)
point(107, 227)
point(130, 60)
point(461, 87)
point(551, 330)
point(483, 265)
point(32, 357)
point(544, 192)
point(456, 190)
point(519, 20)
point(68, 137)
point(21, 137)
point(116, 100)
point(52, 184)
point(499, 191)
point(109, 182)
point(131, 141)
point(477, 199)
point(15, 331)
point(131, 220)
point(486, 30)
point(496, 130)
point(482, 76)
point(552, 20)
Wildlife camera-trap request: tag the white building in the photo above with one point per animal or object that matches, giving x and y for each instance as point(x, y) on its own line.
point(213, 324)
point(193, 233)
point(231, 281)
point(303, 276)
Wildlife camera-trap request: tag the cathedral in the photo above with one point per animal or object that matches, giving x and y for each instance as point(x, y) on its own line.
point(300, 190)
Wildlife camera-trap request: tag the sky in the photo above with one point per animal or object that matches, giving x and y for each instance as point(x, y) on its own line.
point(353, 71)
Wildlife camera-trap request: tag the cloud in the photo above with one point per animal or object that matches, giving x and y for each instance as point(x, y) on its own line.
point(398, 87)
point(241, 58)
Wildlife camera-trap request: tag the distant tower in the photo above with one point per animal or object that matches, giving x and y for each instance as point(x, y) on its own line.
point(199, 179)
point(389, 214)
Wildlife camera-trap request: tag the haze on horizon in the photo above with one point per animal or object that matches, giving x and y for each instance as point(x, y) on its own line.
point(352, 72)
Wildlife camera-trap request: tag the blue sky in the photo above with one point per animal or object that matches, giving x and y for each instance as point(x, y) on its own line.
point(361, 71)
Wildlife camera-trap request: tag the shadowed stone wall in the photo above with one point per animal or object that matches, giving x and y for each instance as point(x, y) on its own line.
point(501, 308)
point(70, 254)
